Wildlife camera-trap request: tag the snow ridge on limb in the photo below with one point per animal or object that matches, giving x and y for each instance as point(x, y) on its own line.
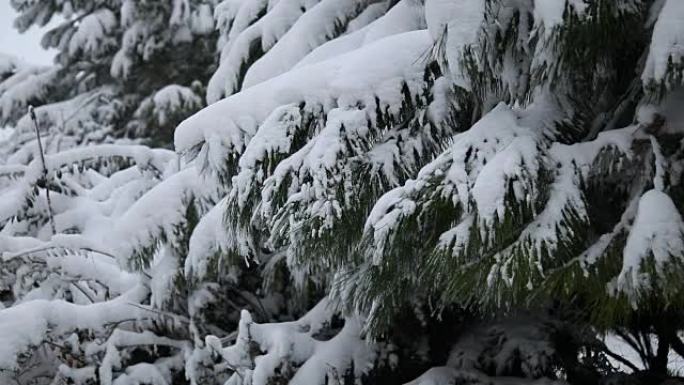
point(657, 238)
point(246, 44)
point(665, 62)
point(375, 71)
point(127, 227)
point(323, 22)
point(405, 16)
point(457, 26)
point(210, 242)
point(291, 29)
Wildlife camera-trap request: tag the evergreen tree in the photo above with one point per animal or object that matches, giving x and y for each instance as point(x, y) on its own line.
point(123, 69)
point(434, 191)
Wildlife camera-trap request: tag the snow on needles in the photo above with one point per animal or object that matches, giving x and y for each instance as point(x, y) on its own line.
point(657, 232)
point(667, 43)
point(312, 29)
point(375, 70)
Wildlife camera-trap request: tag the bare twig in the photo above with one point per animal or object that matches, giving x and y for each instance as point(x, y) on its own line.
point(618, 357)
point(173, 317)
point(23, 253)
point(32, 113)
point(82, 290)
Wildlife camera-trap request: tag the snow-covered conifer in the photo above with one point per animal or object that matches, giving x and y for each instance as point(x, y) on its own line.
point(422, 192)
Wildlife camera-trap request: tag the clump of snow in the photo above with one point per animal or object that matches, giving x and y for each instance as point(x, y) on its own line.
point(657, 232)
point(667, 42)
point(173, 98)
point(234, 16)
point(474, 173)
point(459, 23)
point(92, 34)
point(153, 215)
point(145, 157)
point(315, 162)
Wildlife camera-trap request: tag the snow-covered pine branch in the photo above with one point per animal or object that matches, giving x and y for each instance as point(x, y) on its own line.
point(407, 191)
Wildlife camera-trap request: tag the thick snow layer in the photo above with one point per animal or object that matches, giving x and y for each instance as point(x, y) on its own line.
point(330, 359)
point(376, 70)
point(489, 190)
point(657, 232)
point(274, 136)
point(405, 16)
point(367, 16)
point(163, 269)
point(312, 29)
point(667, 42)
point(583, 154)
point(262, 34)
point(234, 16)
point(78, 273)
point(459, 22)
point(91, 266)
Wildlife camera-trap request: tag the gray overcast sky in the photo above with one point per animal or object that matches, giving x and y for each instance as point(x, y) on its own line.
point(26, 45)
